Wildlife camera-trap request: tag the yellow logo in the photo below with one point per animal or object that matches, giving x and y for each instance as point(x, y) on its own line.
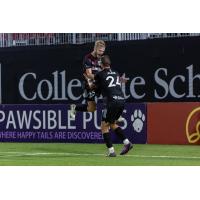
point(195, 136)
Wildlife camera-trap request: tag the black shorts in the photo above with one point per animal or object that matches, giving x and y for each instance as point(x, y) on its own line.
point(112, 112)
point(89, 95)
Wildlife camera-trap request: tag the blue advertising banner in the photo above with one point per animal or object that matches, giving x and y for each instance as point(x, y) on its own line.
point(52, 123)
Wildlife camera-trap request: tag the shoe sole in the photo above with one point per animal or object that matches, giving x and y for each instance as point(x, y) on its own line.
point(111, 156)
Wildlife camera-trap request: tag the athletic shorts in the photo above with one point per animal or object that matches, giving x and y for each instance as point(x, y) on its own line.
point(112, 112)
point(89, 95)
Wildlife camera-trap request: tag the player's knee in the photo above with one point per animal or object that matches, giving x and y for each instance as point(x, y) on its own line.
point(113, 126)
point(104, 130)
point(91, 108)
point(104, 127)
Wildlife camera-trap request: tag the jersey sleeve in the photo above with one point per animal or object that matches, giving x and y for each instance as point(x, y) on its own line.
point(87, 63)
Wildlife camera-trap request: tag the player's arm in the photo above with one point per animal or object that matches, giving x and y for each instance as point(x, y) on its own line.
point(89, 77)
point(95, 84)
point(88, 69)
point(89, 74)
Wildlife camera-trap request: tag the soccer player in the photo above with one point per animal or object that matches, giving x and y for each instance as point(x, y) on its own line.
point(91, 65)
point(107, 82)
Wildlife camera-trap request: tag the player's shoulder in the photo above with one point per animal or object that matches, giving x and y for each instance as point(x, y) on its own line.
point(89, 56)
point(114, 71)
point(88, 60)
point(102, 74)
point(99, 73)
point(110, 71)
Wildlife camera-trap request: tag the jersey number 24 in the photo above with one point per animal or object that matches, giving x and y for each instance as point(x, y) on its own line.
point(112, 81)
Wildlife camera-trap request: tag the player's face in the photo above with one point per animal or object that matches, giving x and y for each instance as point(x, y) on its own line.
point(100, 51)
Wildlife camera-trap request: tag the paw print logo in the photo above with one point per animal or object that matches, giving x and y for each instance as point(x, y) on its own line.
point(138, 119)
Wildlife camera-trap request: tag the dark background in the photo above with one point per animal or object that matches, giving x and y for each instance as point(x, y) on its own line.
point(135, 58)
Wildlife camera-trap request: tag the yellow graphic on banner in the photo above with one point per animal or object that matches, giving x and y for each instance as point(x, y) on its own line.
point(193, 137)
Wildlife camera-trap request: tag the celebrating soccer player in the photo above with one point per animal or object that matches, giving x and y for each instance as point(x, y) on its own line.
point(108, 84)
point(91, 65)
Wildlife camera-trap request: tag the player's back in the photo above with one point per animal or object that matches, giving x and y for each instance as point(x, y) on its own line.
point(110, 86)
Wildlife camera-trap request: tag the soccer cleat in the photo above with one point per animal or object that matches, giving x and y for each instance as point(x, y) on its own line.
point(111, 154)
point(120, 119)
point(72, 111)
point(126, 148)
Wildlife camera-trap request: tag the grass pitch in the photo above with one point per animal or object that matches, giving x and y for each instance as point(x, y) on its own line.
point(64, 154)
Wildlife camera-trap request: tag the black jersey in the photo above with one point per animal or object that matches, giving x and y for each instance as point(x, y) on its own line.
point(108, 84)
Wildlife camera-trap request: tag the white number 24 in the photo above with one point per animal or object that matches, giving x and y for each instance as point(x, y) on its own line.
point(112, 81)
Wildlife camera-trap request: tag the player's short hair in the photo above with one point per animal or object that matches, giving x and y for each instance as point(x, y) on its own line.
point(99, 43)
point(105, 60)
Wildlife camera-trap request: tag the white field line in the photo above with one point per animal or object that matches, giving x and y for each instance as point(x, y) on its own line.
point(13, 154)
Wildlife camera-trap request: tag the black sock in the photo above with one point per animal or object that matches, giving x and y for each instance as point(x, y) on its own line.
point(81, 107)
point(107, 139)
point(119, 132)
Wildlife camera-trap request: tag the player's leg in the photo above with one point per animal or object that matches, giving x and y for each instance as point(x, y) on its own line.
point(117, 111)
point(74, 108)
point(107, 138)
point(120, 134)
point(90, 106)
point(105, 127)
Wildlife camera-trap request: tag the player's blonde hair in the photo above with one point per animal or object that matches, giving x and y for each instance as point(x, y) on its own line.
point(99, 43)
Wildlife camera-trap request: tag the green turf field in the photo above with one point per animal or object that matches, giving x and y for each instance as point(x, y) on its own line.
point(59, 154)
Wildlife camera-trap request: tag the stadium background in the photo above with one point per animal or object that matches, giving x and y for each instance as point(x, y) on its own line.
point(41, 76)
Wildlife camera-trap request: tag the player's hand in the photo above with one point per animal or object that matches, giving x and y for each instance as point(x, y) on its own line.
point(123, 79)
point(85, 75)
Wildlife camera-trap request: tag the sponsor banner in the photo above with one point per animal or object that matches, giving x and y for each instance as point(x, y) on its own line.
point(51, 123)
point(173, 123)
point(159, 70)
